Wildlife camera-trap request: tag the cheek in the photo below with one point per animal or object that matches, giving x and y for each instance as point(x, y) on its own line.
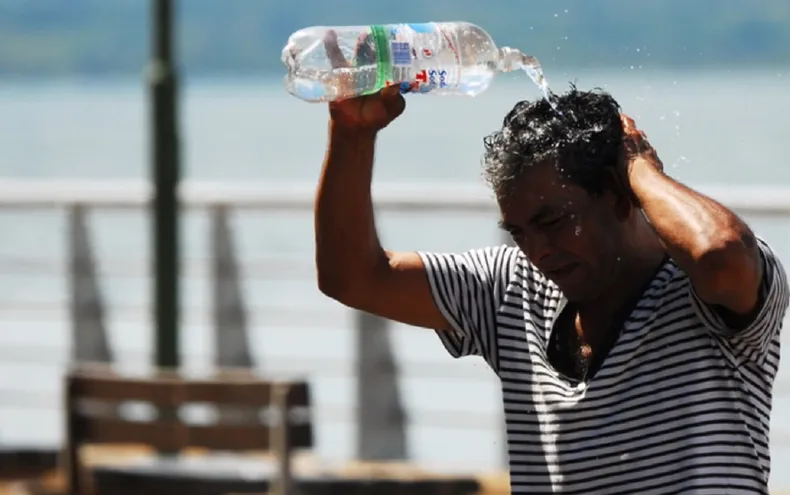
point(586, 239)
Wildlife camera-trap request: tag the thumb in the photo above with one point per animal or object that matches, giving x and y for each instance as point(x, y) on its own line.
point(393, 101)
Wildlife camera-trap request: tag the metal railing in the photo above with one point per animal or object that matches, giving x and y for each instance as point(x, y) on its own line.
point(379, 413)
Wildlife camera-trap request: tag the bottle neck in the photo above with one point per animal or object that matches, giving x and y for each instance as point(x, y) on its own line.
point(511, 59)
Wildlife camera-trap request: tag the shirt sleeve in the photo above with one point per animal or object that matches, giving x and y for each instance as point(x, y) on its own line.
point(468, 289)
point(754, 341)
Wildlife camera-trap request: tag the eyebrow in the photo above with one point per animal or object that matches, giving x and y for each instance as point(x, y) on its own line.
point(543, 212)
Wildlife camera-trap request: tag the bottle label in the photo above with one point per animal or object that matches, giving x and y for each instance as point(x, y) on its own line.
point(421, 54)
point(419, 58)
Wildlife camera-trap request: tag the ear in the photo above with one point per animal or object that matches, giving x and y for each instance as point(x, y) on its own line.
point(622, 198)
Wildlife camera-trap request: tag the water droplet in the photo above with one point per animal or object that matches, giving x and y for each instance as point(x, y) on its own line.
point(556, 15)
point(681, 159)
point(566, 11)
point(638, 49)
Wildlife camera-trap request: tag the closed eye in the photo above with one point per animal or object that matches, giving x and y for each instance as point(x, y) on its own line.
point(553, 221)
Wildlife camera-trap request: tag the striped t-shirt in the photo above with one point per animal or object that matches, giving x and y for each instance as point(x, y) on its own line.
point(681, 403)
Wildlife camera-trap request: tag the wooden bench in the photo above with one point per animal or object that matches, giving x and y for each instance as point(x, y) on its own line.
point(93, 416)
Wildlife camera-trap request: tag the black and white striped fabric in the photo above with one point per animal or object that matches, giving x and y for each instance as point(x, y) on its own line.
point(681, 404)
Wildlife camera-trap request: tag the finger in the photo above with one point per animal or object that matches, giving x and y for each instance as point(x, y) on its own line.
point(333, 51)
point(393, 101)
point(628, 122)
point(390, 91)
point(364, 54)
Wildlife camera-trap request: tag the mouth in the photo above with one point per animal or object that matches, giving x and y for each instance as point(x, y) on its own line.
point(562, 272)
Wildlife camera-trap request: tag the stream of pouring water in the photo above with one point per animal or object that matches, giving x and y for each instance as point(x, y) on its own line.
point(532, 67)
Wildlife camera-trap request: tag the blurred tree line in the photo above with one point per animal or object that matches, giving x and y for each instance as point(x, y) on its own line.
point(233, 37)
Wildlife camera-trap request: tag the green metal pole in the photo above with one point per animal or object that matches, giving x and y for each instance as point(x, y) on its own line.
point(165, 172)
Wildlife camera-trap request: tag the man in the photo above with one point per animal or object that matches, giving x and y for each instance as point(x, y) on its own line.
point(635, 328)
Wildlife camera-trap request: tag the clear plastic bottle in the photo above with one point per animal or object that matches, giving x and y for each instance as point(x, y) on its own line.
point(439, 58)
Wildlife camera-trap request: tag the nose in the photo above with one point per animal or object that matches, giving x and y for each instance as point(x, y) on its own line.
point(538, 247)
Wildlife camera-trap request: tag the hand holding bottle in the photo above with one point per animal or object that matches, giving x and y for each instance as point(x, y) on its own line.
point(370, 112)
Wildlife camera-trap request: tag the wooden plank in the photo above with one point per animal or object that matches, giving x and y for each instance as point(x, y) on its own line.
point(174, 391)
point(174, 436)
point(159, 435)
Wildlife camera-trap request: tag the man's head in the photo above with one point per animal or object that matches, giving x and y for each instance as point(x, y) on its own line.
point(555, 175)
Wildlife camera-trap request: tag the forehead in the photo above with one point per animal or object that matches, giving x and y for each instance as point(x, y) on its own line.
point(542, 189)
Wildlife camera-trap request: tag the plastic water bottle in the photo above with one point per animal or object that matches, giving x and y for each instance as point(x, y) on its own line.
point(441, 58)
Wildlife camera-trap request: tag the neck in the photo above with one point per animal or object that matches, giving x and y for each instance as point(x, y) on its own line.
point(634, 269)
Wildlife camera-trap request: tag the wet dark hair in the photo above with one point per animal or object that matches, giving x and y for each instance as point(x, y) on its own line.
point(583, 138)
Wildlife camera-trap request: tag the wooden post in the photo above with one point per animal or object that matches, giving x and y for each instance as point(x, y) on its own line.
point(165, 171)
point(231, 334)
point(381, 420)
point(283, 485)
point(231, 337)
point(89, 342)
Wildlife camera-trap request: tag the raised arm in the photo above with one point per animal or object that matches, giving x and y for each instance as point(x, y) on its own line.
point(454, 292)
point(738, 284)
point(352, 266)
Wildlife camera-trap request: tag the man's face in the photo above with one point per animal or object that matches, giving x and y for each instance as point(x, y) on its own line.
point(570, 236)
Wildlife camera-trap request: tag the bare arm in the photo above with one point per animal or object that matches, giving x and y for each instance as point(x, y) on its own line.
point(351, 264)
point(714, 247)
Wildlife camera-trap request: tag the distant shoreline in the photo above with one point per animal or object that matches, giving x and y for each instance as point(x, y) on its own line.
point(557, 75)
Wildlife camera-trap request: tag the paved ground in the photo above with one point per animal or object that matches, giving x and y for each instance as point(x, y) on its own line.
point(494, 484)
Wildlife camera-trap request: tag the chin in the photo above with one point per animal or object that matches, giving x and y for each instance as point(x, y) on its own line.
point(576, 293)
point(573, 296)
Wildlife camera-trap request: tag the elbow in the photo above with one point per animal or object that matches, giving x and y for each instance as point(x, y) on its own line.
point(341, 285)
point(728, 250)
point(332, 285)
point(350, 284)
point(729, 265)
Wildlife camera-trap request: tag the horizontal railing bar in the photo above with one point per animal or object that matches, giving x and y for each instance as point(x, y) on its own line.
point(137, 267)
point(289, 196)
point(283, 196)
point(53, 357)
point(263, 316)
point(435, 418)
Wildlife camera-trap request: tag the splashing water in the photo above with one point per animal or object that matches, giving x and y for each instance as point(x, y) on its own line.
point(514, 59)
point(535, 72)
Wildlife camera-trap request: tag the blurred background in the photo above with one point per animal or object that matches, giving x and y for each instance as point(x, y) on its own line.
point(709, 83)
